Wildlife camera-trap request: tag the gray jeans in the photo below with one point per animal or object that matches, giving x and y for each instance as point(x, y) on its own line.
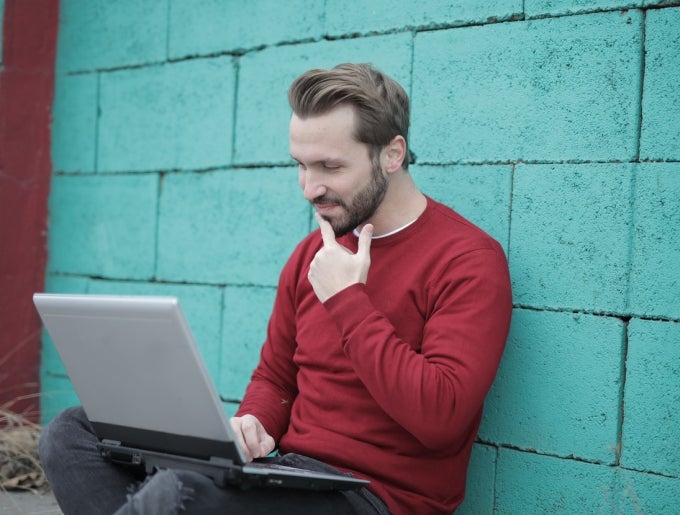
point(83, 482)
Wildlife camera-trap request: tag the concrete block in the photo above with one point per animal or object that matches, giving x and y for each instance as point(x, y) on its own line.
point(246, 314)
point(530, 483)
point(230, 408)
point(651, 422)
point(658, 3)
point(479, 193)
point(230, 227)
point(569, 237)
point(202, 306)
point(168, 117)
point(74, 125)
point(638, 493)
point(558, 388)
point(263, 111)
point(56, 394)
point(550, 90)
point(99, 34)
point(533, 8)
point(103, 225)
point(655, 273)
point(479, 488)
point(219, 26)
point(660, 138)
point(354, 16)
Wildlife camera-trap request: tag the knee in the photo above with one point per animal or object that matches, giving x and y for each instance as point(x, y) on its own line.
point(163, 492)
point(55, 435)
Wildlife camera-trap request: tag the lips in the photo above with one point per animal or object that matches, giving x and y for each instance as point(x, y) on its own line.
point(322, 208)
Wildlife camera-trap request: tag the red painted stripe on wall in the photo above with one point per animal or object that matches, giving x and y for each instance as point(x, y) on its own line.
point(26, 91)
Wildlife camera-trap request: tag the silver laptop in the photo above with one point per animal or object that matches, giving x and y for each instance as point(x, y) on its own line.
point(144, 387)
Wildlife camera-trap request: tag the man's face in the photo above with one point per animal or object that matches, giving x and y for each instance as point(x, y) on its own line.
point(336, 173)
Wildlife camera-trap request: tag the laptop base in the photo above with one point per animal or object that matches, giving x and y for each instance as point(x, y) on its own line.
point(225, 472)
point(220, 470)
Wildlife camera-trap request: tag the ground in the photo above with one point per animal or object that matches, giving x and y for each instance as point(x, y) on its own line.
point(28, 503)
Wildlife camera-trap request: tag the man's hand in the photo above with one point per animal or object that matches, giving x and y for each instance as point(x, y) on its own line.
point(251, 434)
point(334, 268)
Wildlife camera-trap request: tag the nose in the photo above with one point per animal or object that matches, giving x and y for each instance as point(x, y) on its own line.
point(311, 185)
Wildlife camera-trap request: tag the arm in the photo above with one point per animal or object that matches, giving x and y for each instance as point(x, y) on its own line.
point(437, 392)
point(434, 393)
point(273, 387)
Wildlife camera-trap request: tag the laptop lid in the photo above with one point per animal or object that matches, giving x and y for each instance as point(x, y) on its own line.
point(137, 371)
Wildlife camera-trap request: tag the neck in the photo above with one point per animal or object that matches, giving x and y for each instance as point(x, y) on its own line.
point(403, 203)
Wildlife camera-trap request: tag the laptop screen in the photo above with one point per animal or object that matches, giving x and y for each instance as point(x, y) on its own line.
point(136, 369)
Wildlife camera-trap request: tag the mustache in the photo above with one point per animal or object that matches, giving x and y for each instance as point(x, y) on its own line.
point(327, 200)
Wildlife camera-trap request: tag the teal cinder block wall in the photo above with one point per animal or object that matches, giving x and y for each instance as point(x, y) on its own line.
point(555, 126)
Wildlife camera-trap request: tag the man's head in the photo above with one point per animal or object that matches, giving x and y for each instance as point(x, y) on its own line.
point(348, 134)
point(381, 105)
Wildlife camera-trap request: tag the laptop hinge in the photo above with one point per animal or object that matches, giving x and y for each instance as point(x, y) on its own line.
point(222, 470)
point(113, 450)
point(221, 462)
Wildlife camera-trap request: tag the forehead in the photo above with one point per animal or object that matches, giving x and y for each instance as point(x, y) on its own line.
point(332, 131)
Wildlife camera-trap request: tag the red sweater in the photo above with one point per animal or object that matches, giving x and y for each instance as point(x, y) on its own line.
point(387, 380)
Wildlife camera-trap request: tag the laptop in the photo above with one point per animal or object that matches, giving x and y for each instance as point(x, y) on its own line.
point(145, 388)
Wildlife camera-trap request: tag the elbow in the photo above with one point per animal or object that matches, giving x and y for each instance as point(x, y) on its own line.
point(446, 440)
point(437, 442)
point(447, 431)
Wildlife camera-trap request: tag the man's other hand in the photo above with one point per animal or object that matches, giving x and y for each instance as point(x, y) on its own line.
point(251, 434)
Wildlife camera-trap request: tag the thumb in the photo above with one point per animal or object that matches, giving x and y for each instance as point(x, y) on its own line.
point(365, 241)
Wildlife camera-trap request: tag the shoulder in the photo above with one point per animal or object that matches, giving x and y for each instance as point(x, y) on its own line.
point(453, 231)
point(461, 253)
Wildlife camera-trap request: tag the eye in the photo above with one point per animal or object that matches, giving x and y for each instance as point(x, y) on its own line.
point(331, 166)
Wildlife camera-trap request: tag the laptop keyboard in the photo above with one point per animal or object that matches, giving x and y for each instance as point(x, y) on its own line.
point(282, 468)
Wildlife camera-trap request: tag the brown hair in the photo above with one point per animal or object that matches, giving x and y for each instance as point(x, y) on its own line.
point(381, 104)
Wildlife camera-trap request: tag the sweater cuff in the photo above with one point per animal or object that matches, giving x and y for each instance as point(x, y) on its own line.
point(349, 307)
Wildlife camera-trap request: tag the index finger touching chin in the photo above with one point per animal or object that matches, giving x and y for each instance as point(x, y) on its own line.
point(327, 232)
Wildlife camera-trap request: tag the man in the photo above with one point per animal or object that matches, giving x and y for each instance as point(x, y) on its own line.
point(386, 333)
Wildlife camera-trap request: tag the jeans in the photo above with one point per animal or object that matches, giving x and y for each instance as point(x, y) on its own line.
point(83, 482)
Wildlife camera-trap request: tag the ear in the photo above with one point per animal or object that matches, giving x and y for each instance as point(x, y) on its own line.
point(393, 154)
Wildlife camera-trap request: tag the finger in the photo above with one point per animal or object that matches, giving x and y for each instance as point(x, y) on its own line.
point(327, 232)
point(263, 443)
point(266, 444)
point(365, 241)
point(236, 426)
point(251, 435)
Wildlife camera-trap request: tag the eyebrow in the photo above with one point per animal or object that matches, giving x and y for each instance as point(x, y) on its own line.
point(332, 160)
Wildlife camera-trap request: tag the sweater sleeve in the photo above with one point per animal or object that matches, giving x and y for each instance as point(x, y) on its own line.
point(436, 391)
point(273, 387)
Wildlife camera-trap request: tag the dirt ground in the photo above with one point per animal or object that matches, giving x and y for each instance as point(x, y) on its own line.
point(28, 503)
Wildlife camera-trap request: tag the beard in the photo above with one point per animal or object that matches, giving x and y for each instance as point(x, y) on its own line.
point(361, 206)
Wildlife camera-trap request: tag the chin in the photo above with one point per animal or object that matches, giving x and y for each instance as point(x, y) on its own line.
point(340, 229)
